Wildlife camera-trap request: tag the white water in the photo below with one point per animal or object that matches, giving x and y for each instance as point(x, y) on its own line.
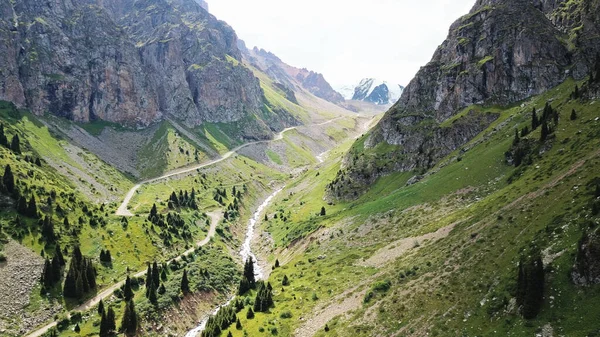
point(244, 253)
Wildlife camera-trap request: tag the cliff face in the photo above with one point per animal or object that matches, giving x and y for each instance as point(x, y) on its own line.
point(125, 61)
point(292, 77)
point(73, 61)
point(501, 52)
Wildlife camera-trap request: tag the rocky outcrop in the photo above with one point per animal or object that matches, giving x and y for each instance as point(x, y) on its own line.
point(501, 52)
point(586, 270)
point(129, 62)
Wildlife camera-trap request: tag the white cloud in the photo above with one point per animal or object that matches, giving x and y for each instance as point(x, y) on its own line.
point(345, 39)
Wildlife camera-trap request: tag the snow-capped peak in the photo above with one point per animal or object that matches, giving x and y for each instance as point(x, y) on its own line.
point(372, 90)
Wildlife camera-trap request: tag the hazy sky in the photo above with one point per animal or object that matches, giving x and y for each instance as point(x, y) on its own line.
point(346, 40)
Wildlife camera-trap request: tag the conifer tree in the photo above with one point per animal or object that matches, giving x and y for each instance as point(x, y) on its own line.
point(545, 131)
point(530, 284)
point(229, 334)
point(276, 263)
point(15, 144)
point(127, 291)
point(111, 318)
point(47, 275)
point(249, 272)
point(323, 212)
point(104, 325)
point(129, 323)
point(56, 269)
point(155, 274)
point(58, 255)
point(3, 139)
point(185, 283)
point(285, 281)
point(152, 295)
point(32, 208)
point(250, 314)
point(573, 115)
point(8, 179)
point(534, 120)
point(101, 307)
point(238, 324)
point(516, 139)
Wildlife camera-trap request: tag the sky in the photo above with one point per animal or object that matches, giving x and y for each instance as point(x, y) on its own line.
point(346, 40)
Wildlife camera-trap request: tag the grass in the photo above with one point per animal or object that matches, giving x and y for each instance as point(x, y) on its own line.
point(440, 289)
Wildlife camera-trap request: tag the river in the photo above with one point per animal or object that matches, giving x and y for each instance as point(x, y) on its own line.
point(245, 252)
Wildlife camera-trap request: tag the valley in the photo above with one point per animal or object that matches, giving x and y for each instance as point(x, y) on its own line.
point(160, 178)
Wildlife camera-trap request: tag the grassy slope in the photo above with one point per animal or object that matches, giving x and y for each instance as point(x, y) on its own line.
point(463, 283)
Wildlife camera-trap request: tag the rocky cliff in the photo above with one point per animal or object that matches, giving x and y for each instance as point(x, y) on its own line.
point(501, 52)
point(292, 77)
point(129, 62)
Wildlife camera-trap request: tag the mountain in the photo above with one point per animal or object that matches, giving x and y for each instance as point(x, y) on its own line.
point(498, 54)
point(130, 62)
point(372, 90)
point(290, 76)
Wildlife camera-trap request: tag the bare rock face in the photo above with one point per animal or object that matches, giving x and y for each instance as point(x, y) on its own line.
point(501, 52)
point(73, 61)
point(129, 62)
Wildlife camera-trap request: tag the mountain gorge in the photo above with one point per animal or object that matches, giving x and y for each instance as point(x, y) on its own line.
point(500, 53)
point(159, 178)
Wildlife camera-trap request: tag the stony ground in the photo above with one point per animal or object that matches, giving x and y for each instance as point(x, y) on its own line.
point(19, 275)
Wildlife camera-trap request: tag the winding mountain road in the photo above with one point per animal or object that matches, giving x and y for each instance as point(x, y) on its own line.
point(215, 217)
point(123, 208)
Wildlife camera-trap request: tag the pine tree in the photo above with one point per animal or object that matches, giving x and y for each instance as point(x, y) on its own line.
point(244, 286)
point(15, 144)
point(8, 179)
point(516, 139)
point(3, 139)
point(534, 120)
point(238, 324)
point(127, 291)
point(573, 115)
point(58, 255)
point(185, 283)
point(148, 282)
point(129, 323)
point(249, 272)
point(153, 213)
point(47, 275)
point(530, 285)
point(155, 274)
point(111, 318)
point(525, 131)
point(56, 269)
point(104, 325)
point(100, 307)
point(77, 328)
point(48, 229)
point(152, 296)
point(276, 263)
point(250, 314)
point(323, 212)
point(229, 334)
point(38, 162)
point(32, 208)
point(545, 131)
point(285, 281)
point(22, 206)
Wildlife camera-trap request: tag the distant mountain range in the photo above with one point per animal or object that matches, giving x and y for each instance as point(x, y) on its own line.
point(372, 90)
